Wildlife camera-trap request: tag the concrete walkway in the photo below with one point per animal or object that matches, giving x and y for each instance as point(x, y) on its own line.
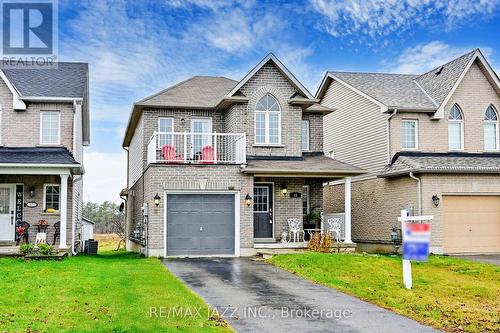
point(258, 297)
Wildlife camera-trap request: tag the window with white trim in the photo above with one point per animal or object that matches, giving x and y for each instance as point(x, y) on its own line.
point(50, 127)
point(165, 125)
point(51, 197)
point(491, 128)
point(268, 121)
point(305, 134)
point(455, 128)
point(410, 134)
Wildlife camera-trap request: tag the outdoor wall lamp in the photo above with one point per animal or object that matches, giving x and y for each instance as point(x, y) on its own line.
point(32, 191)
point(157, 200)
point(284, 190)
point(435, 200)
point(248, 200)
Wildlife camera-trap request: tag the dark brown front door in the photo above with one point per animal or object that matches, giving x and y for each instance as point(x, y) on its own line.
point(263, 211)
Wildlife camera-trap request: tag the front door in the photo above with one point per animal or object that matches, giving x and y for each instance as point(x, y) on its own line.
point(263, 211)
point(201, 136)
point(6, 213)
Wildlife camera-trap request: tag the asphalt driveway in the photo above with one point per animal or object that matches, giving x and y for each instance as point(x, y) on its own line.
point(493, 259)
point(258, 297)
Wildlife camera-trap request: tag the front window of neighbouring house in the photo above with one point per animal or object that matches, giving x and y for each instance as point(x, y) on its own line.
point(305, 134)
point(165, 125)
point(50, 127)
point(456, 128)
point(267, 121)
point(410, 134)
point(490, 129)
point(51, 198)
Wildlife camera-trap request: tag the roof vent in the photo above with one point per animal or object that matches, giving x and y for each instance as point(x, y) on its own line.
point(439, 70)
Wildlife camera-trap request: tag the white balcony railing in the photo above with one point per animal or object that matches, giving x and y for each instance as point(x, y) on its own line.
point(197, 148)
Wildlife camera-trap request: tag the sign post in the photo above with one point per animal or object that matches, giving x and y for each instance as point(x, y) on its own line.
point(416, 240)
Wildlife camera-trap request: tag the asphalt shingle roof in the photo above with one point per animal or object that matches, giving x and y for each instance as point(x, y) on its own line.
point(198, 92)
point(403, 163)
point(68, 79)
point(315, 164)
point(439, 86)
point(426, 91)
point(38, 155)
point(389, 89)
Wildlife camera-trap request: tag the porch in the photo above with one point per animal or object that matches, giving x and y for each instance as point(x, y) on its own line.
point(288, 202)
point(36, 196)
point(197, 148)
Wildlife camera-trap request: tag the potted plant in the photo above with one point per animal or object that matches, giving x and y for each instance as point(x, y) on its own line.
point(314, 217)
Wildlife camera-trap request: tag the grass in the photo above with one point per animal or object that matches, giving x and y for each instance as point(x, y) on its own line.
point(450, 294)
point(111, 292)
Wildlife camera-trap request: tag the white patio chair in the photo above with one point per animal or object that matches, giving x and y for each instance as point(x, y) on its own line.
point(334, 227)
point(295, 230)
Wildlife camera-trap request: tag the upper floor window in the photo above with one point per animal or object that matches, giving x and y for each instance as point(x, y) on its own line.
point(165, 125)
point(305, 134)
point(410, 134)
point(490, 129)
point(268, 121)
point(50, 130)
point(455, 128)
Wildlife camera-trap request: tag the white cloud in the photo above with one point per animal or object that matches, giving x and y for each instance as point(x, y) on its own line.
point(105, 176)
point(426, 56)
point(379, 18)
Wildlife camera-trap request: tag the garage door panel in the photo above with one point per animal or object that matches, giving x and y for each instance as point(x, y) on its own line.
point(471, 224)
point(213, 213)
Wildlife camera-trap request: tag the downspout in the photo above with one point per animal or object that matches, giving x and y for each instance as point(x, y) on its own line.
point(419, 192)
point(73, 219)
point(127, 231)
point(389, 135)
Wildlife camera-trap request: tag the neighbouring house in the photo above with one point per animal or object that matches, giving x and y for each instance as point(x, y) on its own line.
point(219, 167)
point(44, 124)
point(431, 145)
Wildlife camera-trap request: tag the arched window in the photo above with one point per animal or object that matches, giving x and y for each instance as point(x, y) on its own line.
point(268, 121)
point(456, 128)
point(490, 129)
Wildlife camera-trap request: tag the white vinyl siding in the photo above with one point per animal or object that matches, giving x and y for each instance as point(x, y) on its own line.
point(136, 158)
point(50, 127)
point(356, 133)
point(410, 134)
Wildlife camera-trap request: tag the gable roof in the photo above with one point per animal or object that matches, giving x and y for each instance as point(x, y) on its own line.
point(428, 92)
point(392, 90)
point(271, 57)
point(196, 92)
point(438, 86)
point(67, 79)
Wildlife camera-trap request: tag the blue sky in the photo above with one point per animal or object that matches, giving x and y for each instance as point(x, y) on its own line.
point(136, 48)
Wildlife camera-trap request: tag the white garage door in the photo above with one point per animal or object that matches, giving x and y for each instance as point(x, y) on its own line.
point(471, 224)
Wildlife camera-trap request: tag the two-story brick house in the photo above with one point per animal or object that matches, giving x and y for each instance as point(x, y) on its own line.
point(44, 124)
point(218, 166)
point(431, 145)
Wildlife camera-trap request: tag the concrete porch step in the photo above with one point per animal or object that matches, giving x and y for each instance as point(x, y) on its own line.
point(9, 250)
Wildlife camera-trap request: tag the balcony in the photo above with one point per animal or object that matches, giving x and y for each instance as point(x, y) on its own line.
point(197, 148)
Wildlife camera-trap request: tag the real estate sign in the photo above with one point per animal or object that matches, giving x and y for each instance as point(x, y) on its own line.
point(416, 240)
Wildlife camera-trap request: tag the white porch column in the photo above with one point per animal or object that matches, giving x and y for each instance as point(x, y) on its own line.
point(63, 211)
point(347, 209)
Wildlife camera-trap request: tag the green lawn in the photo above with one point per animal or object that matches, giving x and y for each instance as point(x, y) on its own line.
point(111, 292)
point(450, 294)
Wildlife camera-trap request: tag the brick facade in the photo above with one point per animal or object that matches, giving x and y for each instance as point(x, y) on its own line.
point(22, 129)
point(239, 118)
